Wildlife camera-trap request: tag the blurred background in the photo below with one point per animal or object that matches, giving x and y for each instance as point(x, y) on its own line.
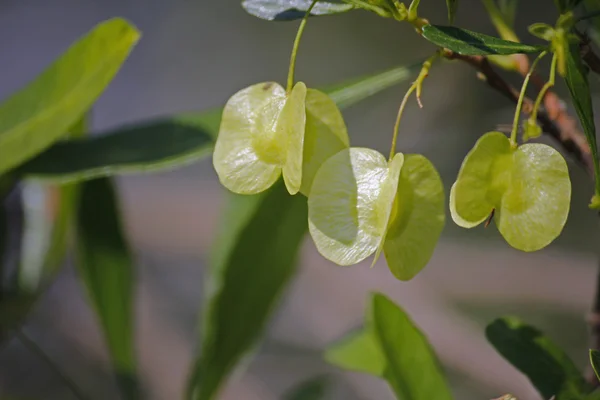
point(194, 54)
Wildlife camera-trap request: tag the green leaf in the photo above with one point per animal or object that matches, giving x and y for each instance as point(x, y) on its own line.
point(40, 114)
point(470, 43)
point(105, 267)
point(542, 31)
point(44, 240)
point(413, 371)
point(154, 146)
point(528, 188)
point(313, 389)
point(545, 364)
point(417, 220)
point(508, 9)
point(577, 82)
point(452, 6)
point(595, 361)
point(249, 272)
point(185, 138)
point(359, 352)
point(566, 5)
point(289, 10)
point(383, 8)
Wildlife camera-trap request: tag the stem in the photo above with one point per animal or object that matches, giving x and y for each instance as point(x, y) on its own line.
point(34, 348)
point(544, 89)
point(292, 71)
point(412, 88)
point(513, 134)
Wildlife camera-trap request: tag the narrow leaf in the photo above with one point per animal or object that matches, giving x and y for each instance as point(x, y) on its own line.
point(595, 361)
point(452, 6)
point(313, 389)
point(577, 82)
point(40, 114)
point(289, 10)
point(413, 371)
point(358, 352)
point(106, 269)
point(248, 277)
point(545, 364)
point(471, 43)
point(170, 142)
point(158, 145)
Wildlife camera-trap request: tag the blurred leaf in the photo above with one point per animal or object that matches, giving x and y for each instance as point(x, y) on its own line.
point(157, 145)
point(566, 5)
point(545, 364)
point(248, 276)
point(508, 9)
point(593, 6)
point(313, 389)
point(595, 361)
point(471, 43)
point(170, 142)
point(383, 8)
point(452, 6)
point(359, 352)
point(289, 10)
point(577, 82)
point(413, 371)
point(48, 216)
point(40, 114)
point(106, 269)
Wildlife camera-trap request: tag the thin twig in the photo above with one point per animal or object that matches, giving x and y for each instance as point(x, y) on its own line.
point(37, 350)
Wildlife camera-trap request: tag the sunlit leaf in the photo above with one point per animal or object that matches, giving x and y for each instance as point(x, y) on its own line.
point(313, 389)
point(325, 135)
point(463, 41)
point(542, 31)
point(255, 258)
point(577, 82)
point(535, 207)
point(291, 125)
point(289, 10)
point(418, 218)
point(40, 114)
point(545, 364)
point(105, 267)
point(359, 352)
point(528, 188)
point(458, 220)
point(348, 210)
point(412, 369)
point(482, 178)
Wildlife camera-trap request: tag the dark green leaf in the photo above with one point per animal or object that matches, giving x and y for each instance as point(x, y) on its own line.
point(289, 10)
point(470, 43)
point(413, 371)
point(566, 5)
point(313, 389)
point(251, 267)
point(169, 142)
point(156, 145)
point(40, 114)
point(106, 269)
point(577, 82)
point(452, 6)
point(545, 364)
point(595, 361)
